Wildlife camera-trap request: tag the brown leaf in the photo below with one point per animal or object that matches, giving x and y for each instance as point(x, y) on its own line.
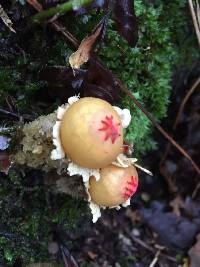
point(87, 45)
point(61, 82)
point(99, 82)
point(124, 16)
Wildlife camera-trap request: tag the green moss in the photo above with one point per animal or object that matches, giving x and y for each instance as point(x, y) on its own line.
point(29, 214)
point(148, 68)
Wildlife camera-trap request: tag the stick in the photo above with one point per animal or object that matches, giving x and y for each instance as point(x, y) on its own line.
point(59, 9)
point(185, 99)
point(194, 18)
point(154, 261)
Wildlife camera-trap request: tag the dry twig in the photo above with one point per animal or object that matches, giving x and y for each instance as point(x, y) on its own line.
point(149, 248)
point(196, 84)
point(195, 17)
point(185, 99)
point(154, 261)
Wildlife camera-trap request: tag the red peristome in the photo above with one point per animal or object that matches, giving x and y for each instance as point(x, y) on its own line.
point(131, 187)
point(110, 128)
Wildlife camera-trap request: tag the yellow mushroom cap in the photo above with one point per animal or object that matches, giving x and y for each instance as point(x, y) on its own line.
point(91, 133)
point(115, 186)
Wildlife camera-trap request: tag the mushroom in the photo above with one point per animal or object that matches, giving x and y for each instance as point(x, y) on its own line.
point(91, 133)
point(115, 186)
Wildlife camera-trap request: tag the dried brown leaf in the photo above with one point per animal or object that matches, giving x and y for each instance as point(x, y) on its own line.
point(87, 45)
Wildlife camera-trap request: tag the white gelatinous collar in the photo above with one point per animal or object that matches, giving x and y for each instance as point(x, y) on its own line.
point(96, 209)
point(125, 116)
point(58, 152)
point(73, 169)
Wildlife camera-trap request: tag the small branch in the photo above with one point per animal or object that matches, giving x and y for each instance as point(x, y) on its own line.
point(154, 261)
point(187, 96)
point(195, 19)
point(149, 248)
point(9, 113)
point(182, 106)
point(164, 133)
point(17, 116)
point(70, 5)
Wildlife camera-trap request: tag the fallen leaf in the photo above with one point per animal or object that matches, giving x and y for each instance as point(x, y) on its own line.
point(87, 45)
point(61, 82)
point(126, 21)
point(170, 228)
point(6, 19)
point(99, 83)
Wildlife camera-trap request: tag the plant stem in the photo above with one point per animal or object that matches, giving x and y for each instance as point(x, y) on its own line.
point(60, 9)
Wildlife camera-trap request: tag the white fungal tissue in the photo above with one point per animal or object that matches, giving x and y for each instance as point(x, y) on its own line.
point(125, 116)
point(73, 169)
point(58, 152)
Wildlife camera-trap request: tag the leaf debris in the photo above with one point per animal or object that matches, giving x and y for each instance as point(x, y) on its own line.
point(6, 19)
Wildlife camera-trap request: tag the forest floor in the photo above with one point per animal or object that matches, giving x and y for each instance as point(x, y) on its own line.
point(161, 227)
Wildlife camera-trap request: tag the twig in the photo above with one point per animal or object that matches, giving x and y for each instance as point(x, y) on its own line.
point(9, 113)
point(147, 247)
point(172, 186)
point(195, 19)
point(194, 193)
point(164, 133)
point(154, 261)
point(182, 106)
point(21, 118)
point(187, 96)
point(123, 88)
point(60, 9)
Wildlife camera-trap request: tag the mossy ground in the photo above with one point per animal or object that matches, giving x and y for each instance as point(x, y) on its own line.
point(29, 212)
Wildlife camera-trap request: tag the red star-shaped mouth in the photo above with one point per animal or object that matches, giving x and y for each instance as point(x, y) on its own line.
point(110, 128)
point(131, 187)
